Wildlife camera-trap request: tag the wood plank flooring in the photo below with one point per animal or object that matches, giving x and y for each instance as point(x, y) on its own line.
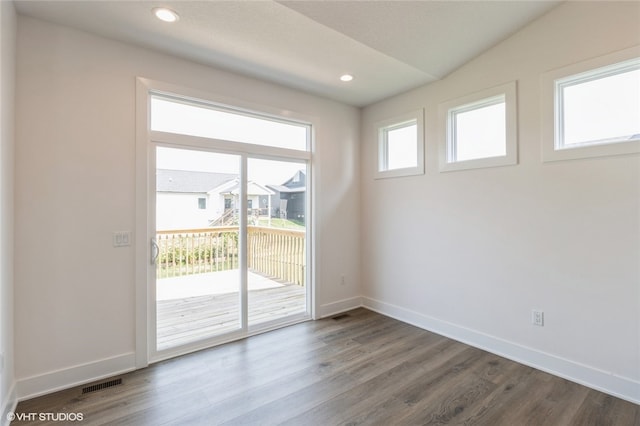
point(363, 368)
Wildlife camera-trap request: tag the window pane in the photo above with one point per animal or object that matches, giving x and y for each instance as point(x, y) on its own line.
point(197, 268)
point(199, 120)
point(602, 109)
point(276, 239)
point(480, 133)
point(402, 147)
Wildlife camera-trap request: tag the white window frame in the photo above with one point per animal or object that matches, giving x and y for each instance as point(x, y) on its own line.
point(382, 129)
point(448, 110)
point(551, 82)
point(146, 142)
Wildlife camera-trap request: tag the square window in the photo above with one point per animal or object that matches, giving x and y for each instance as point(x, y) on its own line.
point(592, 108)
point(202, 203)
point(401, 146)
point(603, 109)
point(479, 130)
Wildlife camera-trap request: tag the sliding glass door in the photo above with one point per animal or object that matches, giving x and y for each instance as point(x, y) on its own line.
point(230, 242)
point(276, 239)
point(197, 237)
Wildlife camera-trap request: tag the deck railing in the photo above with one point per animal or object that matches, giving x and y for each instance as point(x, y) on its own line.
point(278, 253)
point(274, 252)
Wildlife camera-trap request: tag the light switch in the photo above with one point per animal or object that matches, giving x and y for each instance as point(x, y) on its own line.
point(122, 238)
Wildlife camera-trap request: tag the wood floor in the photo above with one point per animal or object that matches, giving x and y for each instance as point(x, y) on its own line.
point(360, 368)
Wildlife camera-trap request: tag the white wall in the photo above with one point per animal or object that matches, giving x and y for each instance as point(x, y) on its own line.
point(471, 253)
point(75, 182)
point(7, 92)
point(561, 237)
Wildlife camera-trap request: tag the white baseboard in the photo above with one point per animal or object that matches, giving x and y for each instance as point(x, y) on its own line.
point(621, 387)
point(31, 387)
point(9, 405)
point(617, 386)
point(339, 307)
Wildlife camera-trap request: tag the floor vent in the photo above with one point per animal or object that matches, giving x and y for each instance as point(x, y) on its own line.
point(339, 317)
point(101, 386)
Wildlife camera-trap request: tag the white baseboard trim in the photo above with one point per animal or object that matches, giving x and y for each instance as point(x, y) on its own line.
point(621, 387)
point(9, 405)
point(31, 387)
point(340, 306)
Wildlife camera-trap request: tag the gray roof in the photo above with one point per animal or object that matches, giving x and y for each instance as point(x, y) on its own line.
point(297, 180)
point(253, 188)
point(280, 188)
point(189, 181)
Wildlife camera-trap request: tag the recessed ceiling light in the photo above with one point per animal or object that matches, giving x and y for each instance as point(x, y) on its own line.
point(166, 15)
point(346, 78)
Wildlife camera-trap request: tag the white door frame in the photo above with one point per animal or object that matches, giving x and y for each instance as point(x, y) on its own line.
point(146, 142)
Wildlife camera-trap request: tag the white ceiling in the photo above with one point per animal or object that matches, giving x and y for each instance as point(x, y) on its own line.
point(389, 46)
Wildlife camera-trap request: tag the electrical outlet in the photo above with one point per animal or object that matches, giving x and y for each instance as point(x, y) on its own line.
point(537, 318)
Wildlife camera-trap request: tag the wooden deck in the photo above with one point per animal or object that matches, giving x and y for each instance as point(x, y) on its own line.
point(189, 319)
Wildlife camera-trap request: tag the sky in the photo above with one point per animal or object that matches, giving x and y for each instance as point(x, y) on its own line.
point(603, 108)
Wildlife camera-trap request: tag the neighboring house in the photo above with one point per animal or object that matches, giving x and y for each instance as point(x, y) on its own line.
point(226, 198)
point(289, 199)
point(190, 200)
point(183, 198)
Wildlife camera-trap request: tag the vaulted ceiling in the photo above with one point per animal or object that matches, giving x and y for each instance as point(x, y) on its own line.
point(389, 46)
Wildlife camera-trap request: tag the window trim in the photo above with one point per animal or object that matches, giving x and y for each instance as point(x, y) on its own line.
point(484, 98)
point(551, 113)
point(146, 141)
point(398, 122)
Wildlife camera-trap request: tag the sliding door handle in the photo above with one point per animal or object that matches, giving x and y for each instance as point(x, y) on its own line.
point(155, 251)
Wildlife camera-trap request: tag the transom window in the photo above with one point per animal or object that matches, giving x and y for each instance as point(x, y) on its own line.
point(479, 130)
point(401, 146)
point(598, 107)
point(592, 108)
point(195, 118)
